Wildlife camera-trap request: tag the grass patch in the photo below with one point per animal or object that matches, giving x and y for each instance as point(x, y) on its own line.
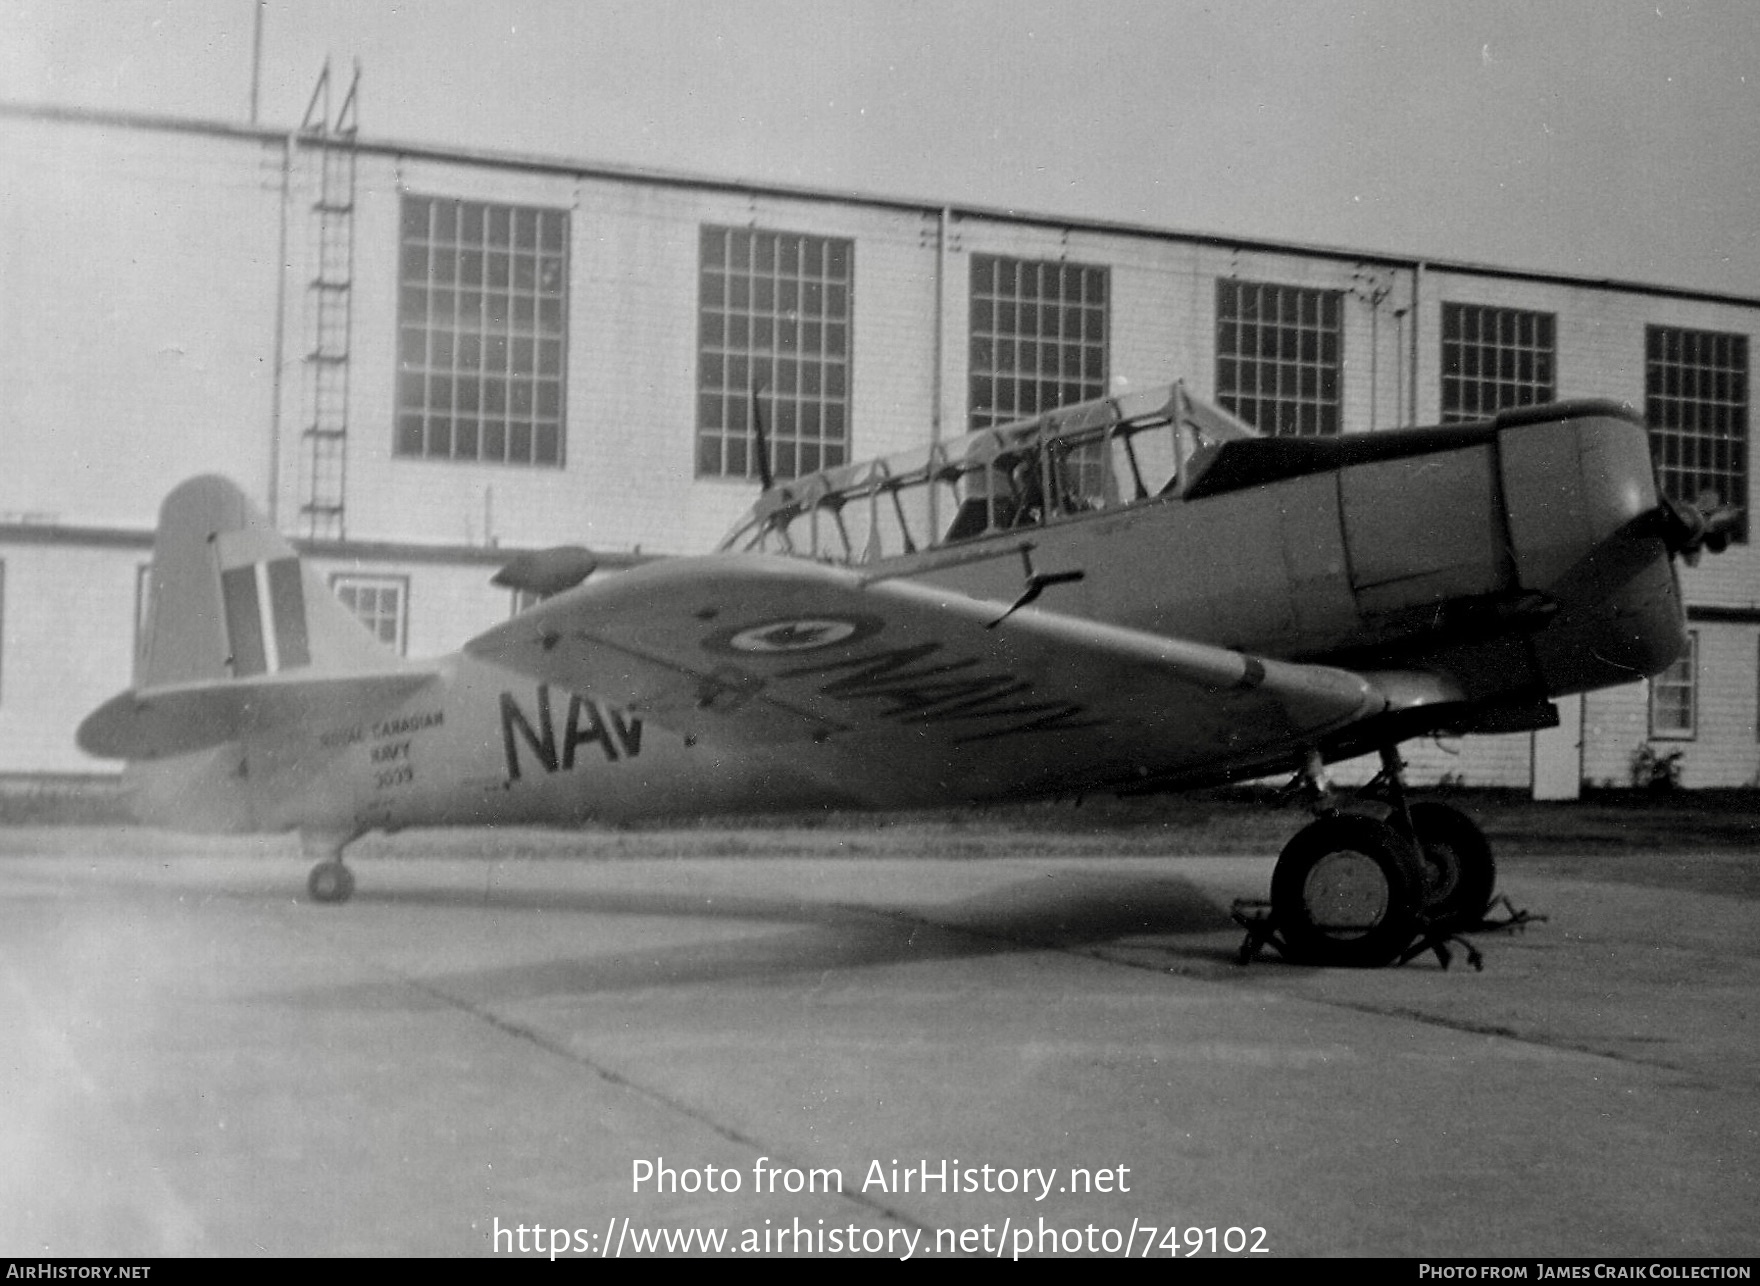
point(1256, 820)
point(1224, 821)
point(63, 801)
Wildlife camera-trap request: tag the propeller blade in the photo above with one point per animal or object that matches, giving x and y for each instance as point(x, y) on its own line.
point(1705, 525)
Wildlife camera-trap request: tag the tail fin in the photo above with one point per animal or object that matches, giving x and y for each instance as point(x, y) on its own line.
point(229, 599)
point(241, 640)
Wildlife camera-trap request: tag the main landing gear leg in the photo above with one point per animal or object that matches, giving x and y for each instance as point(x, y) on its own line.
point(1459, 871)
point(1356, 889)
point(330, 880)
point(1347, 889)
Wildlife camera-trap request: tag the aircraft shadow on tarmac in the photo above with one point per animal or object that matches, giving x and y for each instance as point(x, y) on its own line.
point(1061, 910)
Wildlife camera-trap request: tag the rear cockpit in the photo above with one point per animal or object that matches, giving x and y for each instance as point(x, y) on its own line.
point(1089, 457)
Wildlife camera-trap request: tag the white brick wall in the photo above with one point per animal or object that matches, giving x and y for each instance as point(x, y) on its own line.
point(447, 604)
point(66, 644)
point(1601, 354)
point(1724, 750)
point(632, 366)
point(138, 279)
point(1504, 760)
point(137, 274)
point(1725, 747)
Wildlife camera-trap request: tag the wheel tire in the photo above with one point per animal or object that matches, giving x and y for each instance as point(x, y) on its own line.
point(1459, 873)
point(1347, 890)
point(330, 882)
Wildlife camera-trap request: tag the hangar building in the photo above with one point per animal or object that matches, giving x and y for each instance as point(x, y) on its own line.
point(421, 360)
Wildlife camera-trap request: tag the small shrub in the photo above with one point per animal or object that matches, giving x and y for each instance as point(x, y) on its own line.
point(1656, 772)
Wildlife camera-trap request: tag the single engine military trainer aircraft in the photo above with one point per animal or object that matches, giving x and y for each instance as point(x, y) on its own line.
point(1133, 594)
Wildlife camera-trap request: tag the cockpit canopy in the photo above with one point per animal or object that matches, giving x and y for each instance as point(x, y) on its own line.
point(1078, 459)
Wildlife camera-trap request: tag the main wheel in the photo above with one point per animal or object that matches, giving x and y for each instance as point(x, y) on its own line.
point(1347, 890)
point(330, 882)
point(1459, 872)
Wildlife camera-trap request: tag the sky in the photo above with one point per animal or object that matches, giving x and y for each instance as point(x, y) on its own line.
point(1596, 138)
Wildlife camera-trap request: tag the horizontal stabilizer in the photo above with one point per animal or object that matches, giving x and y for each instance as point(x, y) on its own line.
point(177, 719)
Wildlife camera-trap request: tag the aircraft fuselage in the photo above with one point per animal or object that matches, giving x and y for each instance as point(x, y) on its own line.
point(1510, 563)
point(478, 745)
point(1513, 558)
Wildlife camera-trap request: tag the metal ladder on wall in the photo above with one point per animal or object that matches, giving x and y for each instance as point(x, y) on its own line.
point(330, 309)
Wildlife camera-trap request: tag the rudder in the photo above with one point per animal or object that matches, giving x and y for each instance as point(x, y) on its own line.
point(229, 598)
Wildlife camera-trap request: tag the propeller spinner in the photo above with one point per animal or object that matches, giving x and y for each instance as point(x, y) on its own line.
point(1705, 525)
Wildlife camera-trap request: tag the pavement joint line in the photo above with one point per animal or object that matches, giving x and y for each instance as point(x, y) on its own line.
point(1105, 955)
point(1504, 1033)
point(1100, 954)
point(558, 1049)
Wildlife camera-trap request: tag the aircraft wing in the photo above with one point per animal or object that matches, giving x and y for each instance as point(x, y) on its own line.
point(903, 692)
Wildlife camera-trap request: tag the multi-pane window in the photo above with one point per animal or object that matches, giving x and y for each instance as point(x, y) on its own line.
point(1696, 400)
point(1279, 350)
point(482, 339)
point(1039, 337)
point(1493, 359)
point(773, 319)
point(381, 603)
point(1673, 695)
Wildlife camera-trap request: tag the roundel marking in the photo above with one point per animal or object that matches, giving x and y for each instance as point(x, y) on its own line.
point(792, 634)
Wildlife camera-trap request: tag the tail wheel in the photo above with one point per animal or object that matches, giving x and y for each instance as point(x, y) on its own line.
point(330, 882)
point(1458, 869)
point(1347, 890)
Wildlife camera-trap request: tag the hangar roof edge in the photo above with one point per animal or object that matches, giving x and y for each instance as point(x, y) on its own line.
point(957, 210)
